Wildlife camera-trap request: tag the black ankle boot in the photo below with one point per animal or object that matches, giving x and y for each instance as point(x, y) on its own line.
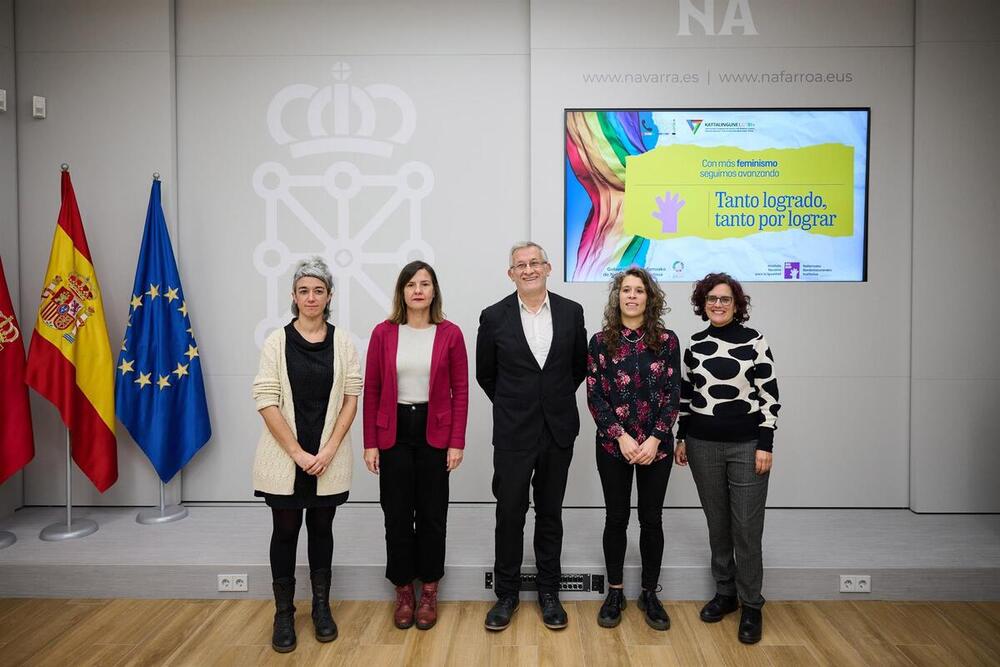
point(717, 607)
point(610, 614)
point(283, 638)
point(326, 629)
point(655, 615)
point(751, 626)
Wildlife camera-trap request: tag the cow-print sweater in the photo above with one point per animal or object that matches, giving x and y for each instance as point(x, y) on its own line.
point(730, 392)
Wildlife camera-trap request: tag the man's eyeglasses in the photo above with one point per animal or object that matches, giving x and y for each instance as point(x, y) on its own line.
point(534, 265)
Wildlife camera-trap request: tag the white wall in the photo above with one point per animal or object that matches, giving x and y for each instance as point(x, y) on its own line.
point(842, 432)
point(464, 69)
point(106, 71)
point(956, 372)
point(487, 110)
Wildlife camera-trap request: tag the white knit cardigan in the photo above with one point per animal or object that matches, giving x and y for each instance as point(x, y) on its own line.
point(273, 469)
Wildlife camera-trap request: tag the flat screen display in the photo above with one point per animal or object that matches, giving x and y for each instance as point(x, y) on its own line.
point(762, 194)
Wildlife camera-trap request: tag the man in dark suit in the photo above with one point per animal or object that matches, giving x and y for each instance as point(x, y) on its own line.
point(531, 355)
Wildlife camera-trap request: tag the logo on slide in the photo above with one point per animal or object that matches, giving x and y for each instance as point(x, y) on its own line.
point(694, 124)
point(793, 271)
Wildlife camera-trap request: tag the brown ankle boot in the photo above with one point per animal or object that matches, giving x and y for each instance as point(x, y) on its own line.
point(403, 616)
point(427, 614)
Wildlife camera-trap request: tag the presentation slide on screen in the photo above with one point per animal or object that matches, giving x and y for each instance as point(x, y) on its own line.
point(765, 195)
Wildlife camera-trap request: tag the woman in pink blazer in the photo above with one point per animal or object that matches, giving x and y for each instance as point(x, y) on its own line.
point(416, 402)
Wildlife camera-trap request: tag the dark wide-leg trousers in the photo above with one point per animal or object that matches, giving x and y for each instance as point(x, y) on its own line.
point(733, 496)
point(544, 469)
point(413, 492)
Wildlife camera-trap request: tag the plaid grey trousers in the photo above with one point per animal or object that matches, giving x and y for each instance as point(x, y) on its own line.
point(733, 496)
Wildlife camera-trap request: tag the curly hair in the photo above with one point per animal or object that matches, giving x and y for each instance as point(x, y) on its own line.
point(656, 307)
point(741, 301)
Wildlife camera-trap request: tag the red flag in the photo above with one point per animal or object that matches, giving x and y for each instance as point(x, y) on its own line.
point(17, 445)
point(69, 361)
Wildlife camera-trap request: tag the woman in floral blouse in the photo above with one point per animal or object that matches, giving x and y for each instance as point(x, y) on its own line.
point(633, 390)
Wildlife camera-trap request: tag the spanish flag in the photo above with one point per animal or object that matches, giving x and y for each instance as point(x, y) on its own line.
point(69, 361)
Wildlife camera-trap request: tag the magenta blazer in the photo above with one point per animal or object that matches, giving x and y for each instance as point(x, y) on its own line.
point(448, 400)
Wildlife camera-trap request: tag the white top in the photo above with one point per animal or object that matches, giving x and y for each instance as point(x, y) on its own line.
point(538, 329)
point(413, 364)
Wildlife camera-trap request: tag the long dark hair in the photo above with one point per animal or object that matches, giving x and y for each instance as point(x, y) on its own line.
point(398, 314)
point(656, 307)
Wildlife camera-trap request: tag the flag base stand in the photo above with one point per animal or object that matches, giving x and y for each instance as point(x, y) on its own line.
point(68, 531)
point(71, 529)
point(162, 514)
point(6, 539)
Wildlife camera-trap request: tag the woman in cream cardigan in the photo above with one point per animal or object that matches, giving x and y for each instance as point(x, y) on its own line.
point(307, 391)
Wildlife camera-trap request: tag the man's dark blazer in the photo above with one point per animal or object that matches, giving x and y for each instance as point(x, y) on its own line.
point(526, 397)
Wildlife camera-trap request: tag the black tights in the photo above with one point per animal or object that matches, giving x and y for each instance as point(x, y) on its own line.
point(285, 537)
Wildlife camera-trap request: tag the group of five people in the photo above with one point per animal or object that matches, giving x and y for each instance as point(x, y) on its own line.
point(532, 355)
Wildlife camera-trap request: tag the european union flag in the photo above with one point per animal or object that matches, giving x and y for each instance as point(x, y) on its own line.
point(159, 391)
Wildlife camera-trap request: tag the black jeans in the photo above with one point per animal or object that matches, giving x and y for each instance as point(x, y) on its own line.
point(285, 537)
point(413, 485)
point(616, 480)
point(544, 469)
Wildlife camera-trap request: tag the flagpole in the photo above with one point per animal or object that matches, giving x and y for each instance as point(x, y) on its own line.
point(58, 532)
point(164, 514)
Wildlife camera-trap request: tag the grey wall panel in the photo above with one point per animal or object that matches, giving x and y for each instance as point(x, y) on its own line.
point(955, 376)
point(221, 471)
point(93, 25)
point(12, 490)
point(109, 116)
point(819, 332)
point(263, 27)
point(955, 243)
point(467, 156)
point(594, 25)
point(954, 449)
point(957, 21)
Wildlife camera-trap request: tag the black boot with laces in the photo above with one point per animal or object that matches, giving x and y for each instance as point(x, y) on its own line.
point(610, 614)
point(654, 613)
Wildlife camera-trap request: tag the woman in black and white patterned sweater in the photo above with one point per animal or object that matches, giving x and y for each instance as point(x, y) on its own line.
point(729, 409)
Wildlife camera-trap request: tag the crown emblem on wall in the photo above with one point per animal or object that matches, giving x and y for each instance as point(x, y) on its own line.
point(343, 118)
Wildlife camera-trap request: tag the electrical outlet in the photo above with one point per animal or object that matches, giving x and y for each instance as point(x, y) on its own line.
point(855, 583)
point(233, 583)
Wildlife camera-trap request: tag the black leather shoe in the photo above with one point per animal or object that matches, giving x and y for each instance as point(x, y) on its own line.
point(655, 615)
point(326, 628)
point(717, 607)
point(751, 625)
point(553, 615)
point(610, 614)
point(283, 636)
point(498, 618)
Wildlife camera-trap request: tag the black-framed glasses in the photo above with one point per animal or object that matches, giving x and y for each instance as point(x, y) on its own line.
point(724, 300)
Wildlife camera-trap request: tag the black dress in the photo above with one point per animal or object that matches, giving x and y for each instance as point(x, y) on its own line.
point(310, 374)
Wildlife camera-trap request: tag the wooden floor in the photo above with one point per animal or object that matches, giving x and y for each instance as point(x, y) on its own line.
point(237, 632)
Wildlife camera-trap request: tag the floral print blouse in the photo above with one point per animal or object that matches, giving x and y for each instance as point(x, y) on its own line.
point(636, 391)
